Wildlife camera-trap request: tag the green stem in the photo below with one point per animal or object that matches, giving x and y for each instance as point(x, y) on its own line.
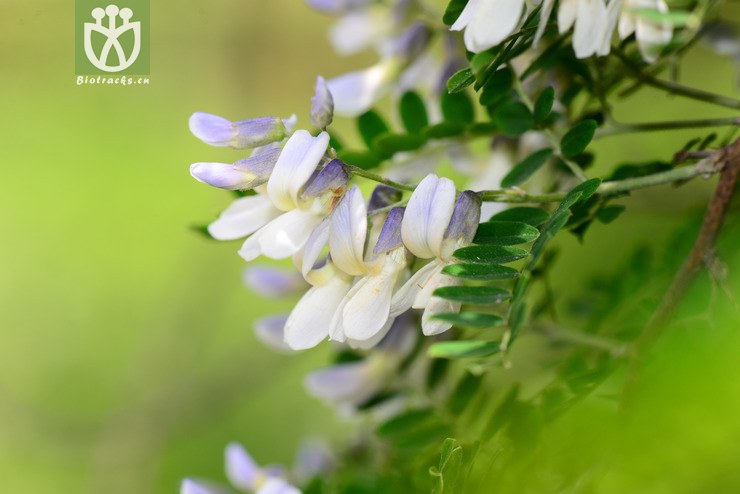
point(706, 167)
point(675, 88)
point(360, 172)
point(619, 128)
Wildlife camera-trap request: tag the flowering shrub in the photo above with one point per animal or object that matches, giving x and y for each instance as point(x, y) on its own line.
point(426, 284)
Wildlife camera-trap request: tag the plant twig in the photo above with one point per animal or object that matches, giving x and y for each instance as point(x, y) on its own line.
point(675, 88)
point(622, 128)
point(701, 253)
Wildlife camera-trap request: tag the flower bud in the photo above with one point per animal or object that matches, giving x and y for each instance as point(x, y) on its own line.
point(245, 134)
point(322, 105)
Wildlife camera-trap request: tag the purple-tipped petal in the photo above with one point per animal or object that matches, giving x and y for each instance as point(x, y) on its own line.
point(464, 222)
point(322, 105)
point(243, 175)
point(350, 384)
point(245, 134)
point(332, 178)
point(222, 175)
point(382, 196)
point(241, 470)
point(390, 235)
point(272, 282)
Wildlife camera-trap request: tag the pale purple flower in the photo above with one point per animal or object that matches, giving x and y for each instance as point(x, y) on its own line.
point(244, 134)
point(272, 282)
point(245, 475)
point(270, 331)
point(356, 92)
point(351, 384)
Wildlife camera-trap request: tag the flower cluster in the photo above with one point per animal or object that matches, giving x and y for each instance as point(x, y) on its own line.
point(488, 23)
point(357, 257)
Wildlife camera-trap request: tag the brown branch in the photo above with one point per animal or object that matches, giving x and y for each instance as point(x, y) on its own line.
point(701, 254)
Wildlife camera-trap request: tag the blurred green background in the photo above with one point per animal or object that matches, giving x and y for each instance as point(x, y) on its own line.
point(127, 359)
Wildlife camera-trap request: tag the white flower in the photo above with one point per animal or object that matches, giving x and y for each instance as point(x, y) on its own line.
point(488, 22)
point(364, 315)
point(434, 226)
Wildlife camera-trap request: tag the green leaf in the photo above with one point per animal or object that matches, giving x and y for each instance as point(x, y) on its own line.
point(370, 125)
point(444, 129)
point(457, 108)
point(609, 213)
point(553, 225)
point(580, 193)
point(474, 320)
point(577, 139)
point(523, 214)
point(402, 423)
point(514, 118)
point(453, 11)
point(526, 168)
point(543, 105)
point(460, 80)
point(479, 295)
point(389, 143)
point(505, 233)
point(481, 272)
point(464, 392)
point(463, 349)
point(448, 473)
point(481, 61)
point(497, 87)
point(489, 254)
point(413, 112)
point(437, 371)
point(361, 159)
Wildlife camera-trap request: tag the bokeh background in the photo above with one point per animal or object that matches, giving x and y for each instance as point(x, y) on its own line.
point(127, 359)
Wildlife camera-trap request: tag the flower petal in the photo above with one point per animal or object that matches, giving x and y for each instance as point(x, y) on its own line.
point(270, 331)
point(241, 470)
point(494, 20)
point(404, 297)
point(356, 92)
point(465, 16)
point(322, 105)
point(297, 162)
point(390, 235)
point(314, 247)
point(310, 320)
point(282, 237)
point(347, 233)
point(244, 216)
point(567, 13)
point(218, 131)
point(350, 383)
point(438, 305)
point(427, 216)
point(272, 282)
point(368, 311)
point(589, 29)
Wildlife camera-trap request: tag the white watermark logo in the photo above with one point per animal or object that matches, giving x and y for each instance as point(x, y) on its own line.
point(112, 32)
